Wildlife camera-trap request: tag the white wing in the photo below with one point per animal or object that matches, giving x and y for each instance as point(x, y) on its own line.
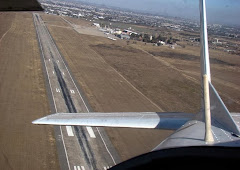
point(124, 119)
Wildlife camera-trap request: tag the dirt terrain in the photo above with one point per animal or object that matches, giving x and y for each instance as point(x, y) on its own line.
point(224, 69)
point(23, 98)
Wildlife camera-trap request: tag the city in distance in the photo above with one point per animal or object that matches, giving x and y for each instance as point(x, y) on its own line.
point(155, 27)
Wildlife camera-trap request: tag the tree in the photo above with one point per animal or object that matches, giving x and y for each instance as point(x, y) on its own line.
point(146, 38)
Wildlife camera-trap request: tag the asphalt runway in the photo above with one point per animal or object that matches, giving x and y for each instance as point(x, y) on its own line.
point(79, 148)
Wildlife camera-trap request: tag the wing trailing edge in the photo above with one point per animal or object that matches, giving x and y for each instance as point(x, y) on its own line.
point(153, 120)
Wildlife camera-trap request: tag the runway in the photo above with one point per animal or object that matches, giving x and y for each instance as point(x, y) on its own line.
point(79, 148)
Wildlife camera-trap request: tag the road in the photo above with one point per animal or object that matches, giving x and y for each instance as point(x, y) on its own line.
point(79, 148)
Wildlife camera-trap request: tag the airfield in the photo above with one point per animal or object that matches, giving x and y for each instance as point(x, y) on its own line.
point(112, 76)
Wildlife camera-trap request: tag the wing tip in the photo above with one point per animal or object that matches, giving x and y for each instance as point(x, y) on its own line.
point(39, 121)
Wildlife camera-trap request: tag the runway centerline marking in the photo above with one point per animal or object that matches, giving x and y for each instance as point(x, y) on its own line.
point(69, 131)
point(90, 131)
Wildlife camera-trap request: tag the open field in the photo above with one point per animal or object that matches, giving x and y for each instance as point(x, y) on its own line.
point(23, 98)
point(224, 69)
point(137, 77)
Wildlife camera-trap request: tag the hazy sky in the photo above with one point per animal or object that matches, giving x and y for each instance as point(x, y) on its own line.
point(218, 11)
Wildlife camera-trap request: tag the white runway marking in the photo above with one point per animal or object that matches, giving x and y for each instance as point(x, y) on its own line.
point(49, 59)
point(79, 168)
point(72, 91)
point(57, 90)
point(69, 131)
point(58, 61)
point(53, 72)
point(63, 73)
point(90, 131)
point(106, 146)
point(215, 136)
point(64, 148)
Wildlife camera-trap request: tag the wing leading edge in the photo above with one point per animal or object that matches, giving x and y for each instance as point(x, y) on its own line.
point(152, 120)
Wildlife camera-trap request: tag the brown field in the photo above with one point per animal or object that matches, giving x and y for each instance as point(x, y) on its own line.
point(23, 98)
point(224, 69)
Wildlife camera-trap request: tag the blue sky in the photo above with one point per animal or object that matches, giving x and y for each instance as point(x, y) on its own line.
point(218, 11)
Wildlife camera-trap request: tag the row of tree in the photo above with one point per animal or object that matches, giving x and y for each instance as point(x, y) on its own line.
point(153, 39)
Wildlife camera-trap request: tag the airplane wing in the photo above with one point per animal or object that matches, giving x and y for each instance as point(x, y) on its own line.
point(152, 120)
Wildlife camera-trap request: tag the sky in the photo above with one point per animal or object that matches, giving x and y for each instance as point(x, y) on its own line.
point(218, 11)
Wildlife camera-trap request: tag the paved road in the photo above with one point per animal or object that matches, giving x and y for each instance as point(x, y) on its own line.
point(79, 148)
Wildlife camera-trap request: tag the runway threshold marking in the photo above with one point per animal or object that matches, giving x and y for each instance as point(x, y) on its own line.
point(69, 131)
point(90, 131)
point(79, 168)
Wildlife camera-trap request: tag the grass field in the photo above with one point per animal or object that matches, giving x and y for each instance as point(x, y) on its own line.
point(23, 98)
